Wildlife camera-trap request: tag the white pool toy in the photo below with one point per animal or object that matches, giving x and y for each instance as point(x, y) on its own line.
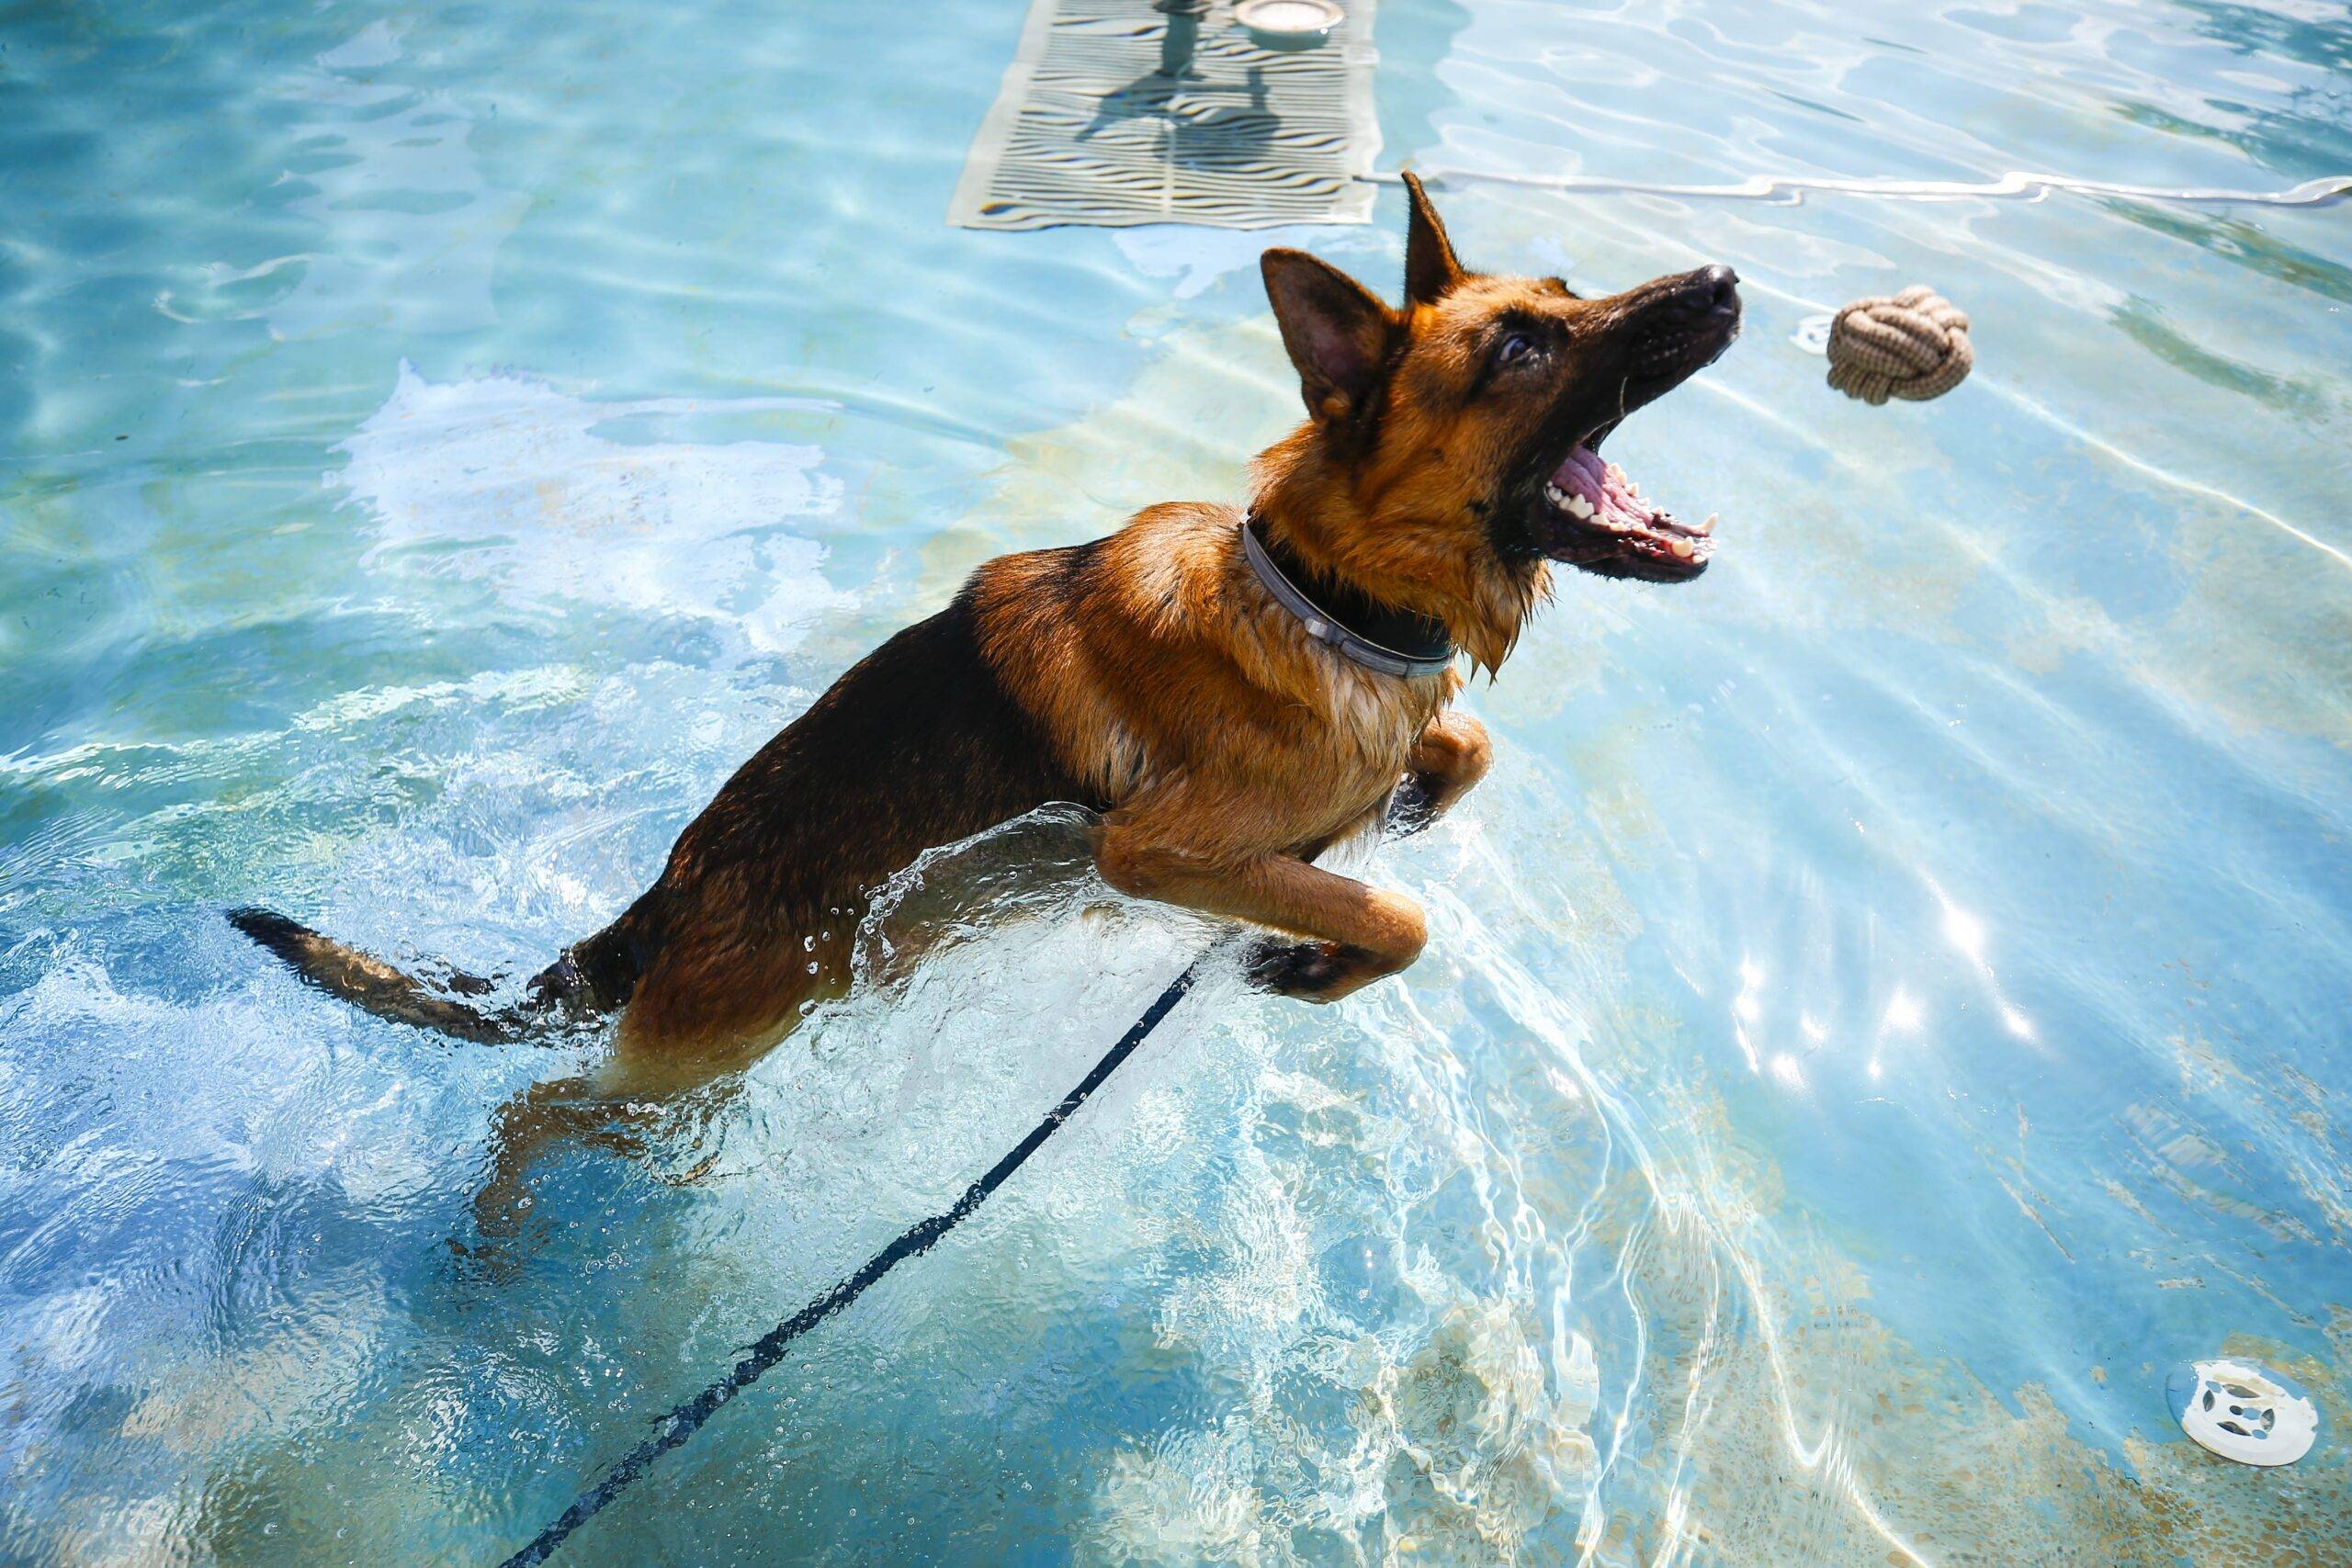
point(2245, 1413)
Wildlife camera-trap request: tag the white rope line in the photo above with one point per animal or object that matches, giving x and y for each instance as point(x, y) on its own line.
point(1790, 188)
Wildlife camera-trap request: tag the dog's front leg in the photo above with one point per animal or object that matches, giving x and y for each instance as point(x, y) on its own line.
point(1451, 755)
point(1356, 933)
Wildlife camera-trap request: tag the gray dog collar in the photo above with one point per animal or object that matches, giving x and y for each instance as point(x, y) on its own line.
point(1325, 628)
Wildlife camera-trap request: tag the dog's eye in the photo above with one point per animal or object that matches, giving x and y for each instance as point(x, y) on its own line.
point(1516, 347)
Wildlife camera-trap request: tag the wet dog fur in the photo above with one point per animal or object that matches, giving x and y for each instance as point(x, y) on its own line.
point(1149, 677)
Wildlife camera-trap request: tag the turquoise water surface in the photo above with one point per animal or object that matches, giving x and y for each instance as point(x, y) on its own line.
point(1884, 1010)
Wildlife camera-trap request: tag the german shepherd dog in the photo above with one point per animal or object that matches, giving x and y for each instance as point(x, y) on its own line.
point(1450, 453)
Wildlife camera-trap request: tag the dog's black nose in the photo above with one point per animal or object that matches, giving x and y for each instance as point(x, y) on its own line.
point(1711, 290)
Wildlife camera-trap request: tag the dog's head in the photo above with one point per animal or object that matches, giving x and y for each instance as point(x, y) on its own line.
point(1455, 442)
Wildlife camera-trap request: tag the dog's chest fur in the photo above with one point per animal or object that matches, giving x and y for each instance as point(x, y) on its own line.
point(1163, 672)
point(1359, 724)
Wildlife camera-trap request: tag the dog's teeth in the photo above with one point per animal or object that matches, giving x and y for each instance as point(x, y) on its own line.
point(1709, 525)
point(1580, 508)
point(1556, 495)
point(1682, 547)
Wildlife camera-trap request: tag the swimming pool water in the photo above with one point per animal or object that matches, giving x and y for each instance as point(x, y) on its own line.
point(1885, 1008)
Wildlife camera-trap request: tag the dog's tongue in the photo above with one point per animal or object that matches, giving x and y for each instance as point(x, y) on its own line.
point(1604, 488)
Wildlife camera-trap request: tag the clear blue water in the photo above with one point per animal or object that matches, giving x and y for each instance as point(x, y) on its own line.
point(1885, 1009)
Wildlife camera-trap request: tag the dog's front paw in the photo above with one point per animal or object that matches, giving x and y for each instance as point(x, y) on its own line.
point(1412, 805)
point(1308, 970)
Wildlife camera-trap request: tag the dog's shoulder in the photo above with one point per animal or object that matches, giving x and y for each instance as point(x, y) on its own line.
point(1179, 522)
point(1169, 567)
point(1159, 575)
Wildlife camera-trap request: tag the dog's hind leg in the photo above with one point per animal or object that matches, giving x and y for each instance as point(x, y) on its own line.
point(704, 1012)
point(602, 1110)
point(615, 1109)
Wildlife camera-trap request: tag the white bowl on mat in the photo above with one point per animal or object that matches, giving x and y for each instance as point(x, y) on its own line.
point(1288, 24)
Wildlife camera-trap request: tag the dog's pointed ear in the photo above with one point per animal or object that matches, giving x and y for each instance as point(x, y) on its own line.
point(1431, 271)
point(1337, 332)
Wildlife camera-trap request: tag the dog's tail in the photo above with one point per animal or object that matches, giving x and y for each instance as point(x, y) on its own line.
point(593, 977)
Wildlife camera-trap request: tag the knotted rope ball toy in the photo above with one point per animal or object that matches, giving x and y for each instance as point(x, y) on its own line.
point(1914, 346)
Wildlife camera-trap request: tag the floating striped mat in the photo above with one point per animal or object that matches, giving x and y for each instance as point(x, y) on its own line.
point(1091, 127)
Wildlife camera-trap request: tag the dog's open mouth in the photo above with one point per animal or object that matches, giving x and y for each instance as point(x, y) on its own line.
point(1601, 524)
